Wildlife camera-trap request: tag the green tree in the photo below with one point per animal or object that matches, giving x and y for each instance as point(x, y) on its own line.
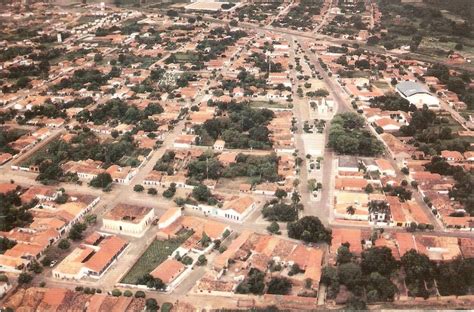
point(102, 180)
point(356, 304)
point(280, 193)
point(279, 286)
point(378, 259)
point(170, 191)
point(24, 278)
point(309, 229)
point(140, 294)
point(201, 193)
point(380, 288)
point(274, 228)
point(201, 260)
point(76, 231)
point(64, 244)
point(138, 188)
point(253, 283)
point(349, 274)
point(344, 255)
point(116, 293)
point(151, 304)
point(205, 240)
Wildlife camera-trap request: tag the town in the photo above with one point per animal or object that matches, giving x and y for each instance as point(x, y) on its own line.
point(255, 155)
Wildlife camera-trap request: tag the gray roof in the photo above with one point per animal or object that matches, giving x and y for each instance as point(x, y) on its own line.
point(348, 162)
point(409, 88)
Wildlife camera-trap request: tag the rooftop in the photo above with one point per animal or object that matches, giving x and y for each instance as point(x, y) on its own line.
point(128, 213)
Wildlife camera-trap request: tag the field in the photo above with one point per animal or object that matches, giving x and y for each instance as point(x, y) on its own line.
point(156, 253)
point(43, 151)
point(267, 104)
point(382, 85)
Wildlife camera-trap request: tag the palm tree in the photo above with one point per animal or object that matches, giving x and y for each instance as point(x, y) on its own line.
point(376, 207)
point(350, 210)
point(295, 197)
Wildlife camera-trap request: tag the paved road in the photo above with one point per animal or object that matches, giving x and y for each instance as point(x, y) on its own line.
point(337, 41)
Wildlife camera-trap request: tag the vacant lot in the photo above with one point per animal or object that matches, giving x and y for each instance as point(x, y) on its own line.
point(156, 253)
point(267, 104)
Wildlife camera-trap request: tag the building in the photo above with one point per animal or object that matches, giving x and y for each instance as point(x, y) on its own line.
point(219, 145)
point(236, 209)
point(348, 164)
point(385, 167)
point(452, 155)
point(92, 258)
point(168, 271)
point(128, 219)
point(169, 217)
point(417, 94)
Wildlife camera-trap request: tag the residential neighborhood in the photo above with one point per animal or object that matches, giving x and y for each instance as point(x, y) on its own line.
point(254, 155)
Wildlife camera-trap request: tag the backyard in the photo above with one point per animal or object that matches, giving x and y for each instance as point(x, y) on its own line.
point(156, 253)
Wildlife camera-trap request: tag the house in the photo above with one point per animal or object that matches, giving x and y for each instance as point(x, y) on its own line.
point(128, 219)
point(239, 208)
point(351, 184)
point(168, 271)
point(387, 124)
point(4, 157)
point(219, 145)
point(85, 169)
point(236, 209)
point(348, 164)
point(169, 217)
point(452, 155)
point(469, 156)
point(385, 167)
point(351, 205)
point(185, 141)
point(92, 258)
point(153, 178)
point(4, 288)
point(12, 264)
point(121, 175)
point(351, 236)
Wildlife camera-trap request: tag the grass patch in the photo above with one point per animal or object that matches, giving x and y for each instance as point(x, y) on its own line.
point(381, 85)
point(267, 104)
point(157, 252)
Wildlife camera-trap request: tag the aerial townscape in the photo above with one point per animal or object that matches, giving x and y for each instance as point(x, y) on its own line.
point(254, 155)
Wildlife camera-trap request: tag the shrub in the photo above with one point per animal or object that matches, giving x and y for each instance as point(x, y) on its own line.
point(64, 244)
point(138, 188)
point(151, 304)
point(116, 293)
point(127, 293)
point(166, 307)
point(3, 278)
point(140, 294)
point(24, 278)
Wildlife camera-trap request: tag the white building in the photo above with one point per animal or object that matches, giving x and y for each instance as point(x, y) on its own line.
point(219, 145)
point(417, 94)
point(170, 216)
point(234, 210)
point(128, 219)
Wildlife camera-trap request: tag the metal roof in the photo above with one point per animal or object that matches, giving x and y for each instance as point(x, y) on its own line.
point(409, 88)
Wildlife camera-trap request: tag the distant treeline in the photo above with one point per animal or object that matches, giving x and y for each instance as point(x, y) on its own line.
point(464, 8)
